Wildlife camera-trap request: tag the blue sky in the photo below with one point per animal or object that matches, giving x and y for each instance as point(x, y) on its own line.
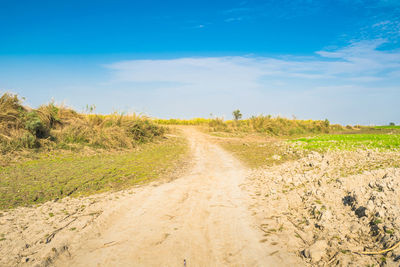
point(336, 59)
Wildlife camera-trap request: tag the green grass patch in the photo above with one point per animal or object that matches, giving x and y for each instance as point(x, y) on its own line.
point(350, 142)
point(387, 127)
point(60, 175)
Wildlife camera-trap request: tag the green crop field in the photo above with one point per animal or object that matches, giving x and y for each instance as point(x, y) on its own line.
point(388, 127)
point(349, 142)
point(256, 150)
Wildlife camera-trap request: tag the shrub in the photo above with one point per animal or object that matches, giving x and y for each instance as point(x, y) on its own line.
point(35, 126)
point(144, 130)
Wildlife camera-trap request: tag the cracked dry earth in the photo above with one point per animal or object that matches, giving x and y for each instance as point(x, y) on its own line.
point(199, 219)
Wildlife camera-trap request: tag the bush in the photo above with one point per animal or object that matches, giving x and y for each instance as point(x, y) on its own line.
point(144, 130)
point(35, 126)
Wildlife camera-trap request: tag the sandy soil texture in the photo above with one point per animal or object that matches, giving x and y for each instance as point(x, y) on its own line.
point(327, 214)
point(200, 219)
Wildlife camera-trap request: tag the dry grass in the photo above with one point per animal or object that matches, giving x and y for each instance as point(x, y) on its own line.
point(51, 127)
point(194, 121)
point(275, 126)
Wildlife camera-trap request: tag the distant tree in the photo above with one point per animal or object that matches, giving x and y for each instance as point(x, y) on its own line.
point(391, 124)
point(237, 115)
point(91, 108)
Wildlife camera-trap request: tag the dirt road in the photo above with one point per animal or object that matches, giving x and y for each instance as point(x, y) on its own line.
point(200, 219)
point(218, 213)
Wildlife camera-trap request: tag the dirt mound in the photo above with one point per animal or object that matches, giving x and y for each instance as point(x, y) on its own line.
point(332, 208)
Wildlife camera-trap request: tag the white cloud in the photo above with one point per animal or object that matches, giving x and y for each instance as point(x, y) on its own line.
point(233, 19)
point(238, 10)
point(381, 23)
point(222, 73)
point(360, 62)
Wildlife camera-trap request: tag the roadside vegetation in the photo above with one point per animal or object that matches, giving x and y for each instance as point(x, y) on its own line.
point(52, 127)
point(273, 126)
point(53, 151)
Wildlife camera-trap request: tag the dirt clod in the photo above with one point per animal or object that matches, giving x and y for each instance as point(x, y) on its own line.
point(316, 251)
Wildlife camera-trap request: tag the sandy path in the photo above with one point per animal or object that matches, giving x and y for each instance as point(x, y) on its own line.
point(201, 219)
